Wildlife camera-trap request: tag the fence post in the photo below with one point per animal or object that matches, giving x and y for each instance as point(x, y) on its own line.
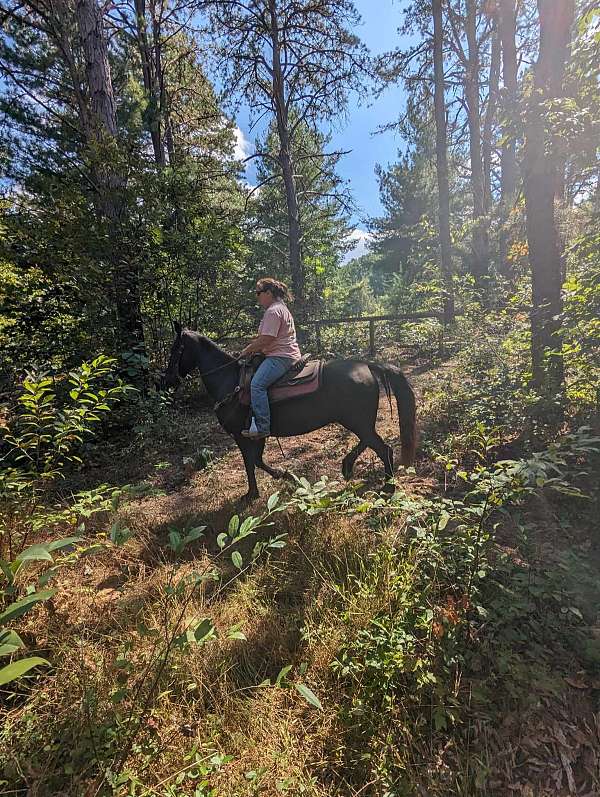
point(441, 347)
point(371, 337)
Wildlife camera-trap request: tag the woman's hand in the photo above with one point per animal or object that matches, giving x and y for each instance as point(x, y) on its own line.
point(259, 343)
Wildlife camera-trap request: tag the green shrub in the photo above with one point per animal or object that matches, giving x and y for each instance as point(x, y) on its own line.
point(43, 440)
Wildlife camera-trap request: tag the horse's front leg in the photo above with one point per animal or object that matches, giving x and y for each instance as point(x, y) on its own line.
point(276, 473)
point(250, 454)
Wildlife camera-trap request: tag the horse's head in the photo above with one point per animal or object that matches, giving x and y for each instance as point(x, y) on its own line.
point(180, 359)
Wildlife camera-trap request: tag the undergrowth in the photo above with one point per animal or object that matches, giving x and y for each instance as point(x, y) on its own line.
point(333, 641)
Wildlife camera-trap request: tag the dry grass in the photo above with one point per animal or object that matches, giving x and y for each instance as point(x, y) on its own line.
point(208, 695)
point(209, 698)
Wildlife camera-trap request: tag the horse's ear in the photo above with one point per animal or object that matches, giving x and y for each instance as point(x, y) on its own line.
point(177, 328)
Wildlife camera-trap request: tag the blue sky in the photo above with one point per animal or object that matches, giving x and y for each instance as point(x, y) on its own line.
point(379, 31)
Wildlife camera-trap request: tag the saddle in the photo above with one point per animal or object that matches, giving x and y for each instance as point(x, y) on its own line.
point(302, 378)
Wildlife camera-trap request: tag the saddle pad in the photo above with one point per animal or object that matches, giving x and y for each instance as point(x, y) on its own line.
point(308, 380)
point(300, 384)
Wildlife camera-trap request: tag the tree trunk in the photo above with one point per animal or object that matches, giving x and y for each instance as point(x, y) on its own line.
point(162, 97)
point(540, 182)
point(507, 19)
point(287, 168)
point(97, 68)
point(150, 83)
point(480, 241)
point(490, 116)
point(103, 146)
point(441, 151)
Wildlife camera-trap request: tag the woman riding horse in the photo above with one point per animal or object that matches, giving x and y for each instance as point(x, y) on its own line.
point(348, 394)
point(277, 341)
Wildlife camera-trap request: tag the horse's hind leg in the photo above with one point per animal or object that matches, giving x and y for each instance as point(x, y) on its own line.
point(350, 459)
point(385, 454)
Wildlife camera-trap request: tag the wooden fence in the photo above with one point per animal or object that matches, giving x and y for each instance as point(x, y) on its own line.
point(371, 320)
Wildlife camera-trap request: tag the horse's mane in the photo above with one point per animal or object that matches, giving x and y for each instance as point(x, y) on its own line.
point(203, 340)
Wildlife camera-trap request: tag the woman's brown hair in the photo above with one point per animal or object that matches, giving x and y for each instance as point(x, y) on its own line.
point(279, 289)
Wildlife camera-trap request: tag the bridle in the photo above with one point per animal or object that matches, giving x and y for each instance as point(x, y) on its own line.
point(178, 355)
point(174, 372)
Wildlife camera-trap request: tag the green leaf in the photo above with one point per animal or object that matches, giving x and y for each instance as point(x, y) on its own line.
point(273, 501)
point(175, 540)
point(8, 573)
point(236, 558)
point(234, 525)
point(309, 696)
point(144, 631)
point(194, 534)
point(203, 630)
point(35, 553)
point(10, 642)
point(248, 526)
point(24, 605)
point(277, 544)
point(443, 521)
point(282, 673)
point(118, 535)
point(18, 668)
point(45, 578)
point(222, 540)
point(439, 719)
point(64, 543)
point(236, 635)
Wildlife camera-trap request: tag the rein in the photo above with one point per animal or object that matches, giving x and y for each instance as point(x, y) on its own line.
point(180, 349)
point(212, 371)
point(226, 398)
point(230, 395)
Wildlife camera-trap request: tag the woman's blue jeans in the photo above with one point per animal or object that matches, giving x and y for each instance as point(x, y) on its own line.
point(269, 371)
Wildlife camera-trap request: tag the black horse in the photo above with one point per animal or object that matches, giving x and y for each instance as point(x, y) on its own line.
point(348, 394)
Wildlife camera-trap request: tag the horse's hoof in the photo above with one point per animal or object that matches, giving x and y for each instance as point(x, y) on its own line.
point(389, 488)
point(248, 498)
point(346, 470)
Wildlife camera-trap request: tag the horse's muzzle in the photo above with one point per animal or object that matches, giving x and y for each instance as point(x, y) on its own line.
point(167, 381)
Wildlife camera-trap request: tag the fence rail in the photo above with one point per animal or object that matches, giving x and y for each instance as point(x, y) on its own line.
point(371, 320)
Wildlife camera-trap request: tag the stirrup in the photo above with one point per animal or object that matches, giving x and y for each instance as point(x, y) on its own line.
point(255, 435)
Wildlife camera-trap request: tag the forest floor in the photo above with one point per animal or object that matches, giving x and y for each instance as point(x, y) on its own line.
point(215, 727)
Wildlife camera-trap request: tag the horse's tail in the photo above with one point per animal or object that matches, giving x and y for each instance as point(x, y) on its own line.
point(393, 381)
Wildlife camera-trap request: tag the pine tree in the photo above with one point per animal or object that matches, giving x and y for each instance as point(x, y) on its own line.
point(322, 209)
point(404, 235)
point(294, 61)
point(92, 209)
point(540, 183)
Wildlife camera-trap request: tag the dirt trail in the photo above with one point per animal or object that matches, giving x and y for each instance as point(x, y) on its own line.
point(213, 492)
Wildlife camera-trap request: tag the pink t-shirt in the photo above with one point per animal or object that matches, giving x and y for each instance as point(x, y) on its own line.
point(278, 322)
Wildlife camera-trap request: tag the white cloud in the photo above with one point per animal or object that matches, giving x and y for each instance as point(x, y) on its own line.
point(359, 239)
point(243, 145)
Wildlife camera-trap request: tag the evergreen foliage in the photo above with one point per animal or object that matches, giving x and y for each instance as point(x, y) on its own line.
point(157, 638)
